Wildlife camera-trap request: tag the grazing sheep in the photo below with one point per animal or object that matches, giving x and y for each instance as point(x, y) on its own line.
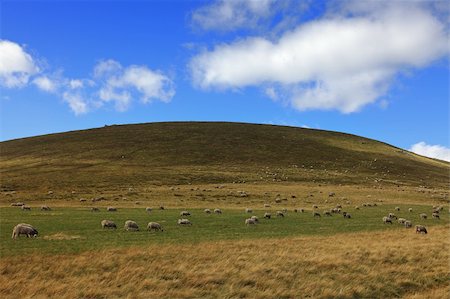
point(266, 205)
point(82, 200)
point(247, 210)
point(421, 229)
point(338, 206)
point(111, 209)
point(280, 214)
point(392, 216)
point(344, 213)
point(108, 224)
point(154, 226)
point(347, 215)
point(397, 209)
point(207, 211)
point(302, 210)
point(94, 209)
point(25, 208)
point(423, 216)
point(250, 221)
point(401, 220)
point(267, 215)
point(185, 213)
point(410, 210)
point(184, 221)
point(331, 194)
point(255, 218)
point(284, 210)
point(161, 207)
point(217, 211)
point(148, 209)
point(315, 207)
point(387, 220)
point(316, 214)
point(17, 204)
point(45, 208)
point(327, 213)
point(435, 215)
point(356, 208)
point(408, 224)
point(130, 225)
point(278, 200)
point(24, 229)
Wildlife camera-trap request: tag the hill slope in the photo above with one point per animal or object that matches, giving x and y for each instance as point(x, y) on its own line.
point(213, 152)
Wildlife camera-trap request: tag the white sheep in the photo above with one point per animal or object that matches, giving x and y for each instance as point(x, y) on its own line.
point(207, 211)
point(154, 226)
point(250, 221)
point(267, 215)
point(217, 211)
point(185, 213)
point(130, 225)
point(421, 229)
point(423, 216)
point(247, 210)
point(387, 220)
point(108, 224)
point(111, 209)
point(24, 229)
point(184, 221)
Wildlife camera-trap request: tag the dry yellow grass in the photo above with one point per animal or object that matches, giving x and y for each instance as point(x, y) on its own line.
point(390, 264)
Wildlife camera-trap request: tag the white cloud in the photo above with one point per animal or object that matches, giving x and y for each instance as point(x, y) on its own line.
point(432, 151)
point(45, 83)
point(227, 15)
point(76, 83)
point(76, 102)
point(120, 83)
point(337, 62)
point(16, 65)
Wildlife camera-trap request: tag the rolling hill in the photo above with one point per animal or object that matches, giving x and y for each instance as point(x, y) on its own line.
point(208, 152)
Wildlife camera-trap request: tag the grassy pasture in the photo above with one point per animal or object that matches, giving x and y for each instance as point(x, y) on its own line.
point(77, 229)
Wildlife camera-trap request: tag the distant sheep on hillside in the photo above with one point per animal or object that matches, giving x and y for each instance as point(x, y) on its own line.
point(387, 220)
point(423, 216)
point(184, 222)
point(250, 221)
point(24, 229)
point(316, 214)
point(111, 209)
point(421, 229)
point(207, 211)
point(154, 226)
point(108, 224)
point(130, 225)
point(247, 210)
point(267, 215)
point(217, 211)
point(185, 213)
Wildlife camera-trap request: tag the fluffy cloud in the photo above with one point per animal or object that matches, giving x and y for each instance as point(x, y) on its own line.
point(432, 151)
point(111, 82)
point(119, 83)
point(16, 65)
point(337, 62)
point(227, 15)
point(76, 102)
point(45, 83)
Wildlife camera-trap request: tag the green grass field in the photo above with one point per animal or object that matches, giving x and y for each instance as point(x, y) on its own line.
point(83, 226)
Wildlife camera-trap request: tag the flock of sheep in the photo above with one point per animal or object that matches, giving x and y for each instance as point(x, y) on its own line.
point(407, 223)
point(130, 225)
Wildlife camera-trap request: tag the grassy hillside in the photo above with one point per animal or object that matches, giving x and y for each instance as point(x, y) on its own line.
point(213, 152)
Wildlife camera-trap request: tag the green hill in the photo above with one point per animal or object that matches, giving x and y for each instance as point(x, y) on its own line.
point(208, 152)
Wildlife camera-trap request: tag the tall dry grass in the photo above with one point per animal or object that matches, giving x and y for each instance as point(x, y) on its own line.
point(390, 264)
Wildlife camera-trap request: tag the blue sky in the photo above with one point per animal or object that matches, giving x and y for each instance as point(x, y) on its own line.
point(378, 69)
